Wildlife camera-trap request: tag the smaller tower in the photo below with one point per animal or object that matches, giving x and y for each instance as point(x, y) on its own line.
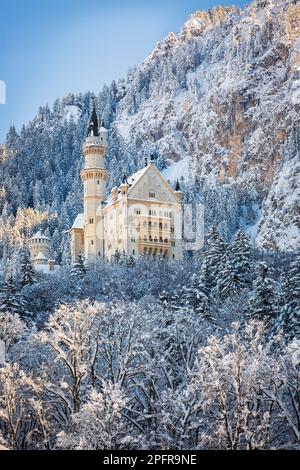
point(178, 192)
point(39, 246)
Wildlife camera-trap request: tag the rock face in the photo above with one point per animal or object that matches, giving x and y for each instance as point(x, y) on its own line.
point(224, 94)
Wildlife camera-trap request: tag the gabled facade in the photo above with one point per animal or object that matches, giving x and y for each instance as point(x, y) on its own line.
point(142, 216)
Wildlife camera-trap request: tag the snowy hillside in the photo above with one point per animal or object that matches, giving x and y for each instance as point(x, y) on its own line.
point(218, 106)
point(223, 97)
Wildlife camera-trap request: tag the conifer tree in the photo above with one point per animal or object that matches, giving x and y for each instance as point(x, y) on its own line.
point(196, 297)
point(11, 300)
point(240, 253)
point(214, 257)
point(229, 282)
point(79, 269)
point(262, 304)
point(204, 301)
point(289, 318)
point(27, 271)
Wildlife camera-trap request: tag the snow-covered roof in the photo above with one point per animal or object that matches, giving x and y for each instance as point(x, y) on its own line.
point(133, 179)
point(41, 256)
point(79, 221)
point(39, 234)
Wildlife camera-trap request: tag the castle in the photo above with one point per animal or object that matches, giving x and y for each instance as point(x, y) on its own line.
point(141, 216)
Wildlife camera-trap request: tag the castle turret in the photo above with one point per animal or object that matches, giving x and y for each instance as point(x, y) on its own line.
point(94, 177)
point(39, 244)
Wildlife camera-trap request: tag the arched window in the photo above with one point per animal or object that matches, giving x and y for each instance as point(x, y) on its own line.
point(166, 240)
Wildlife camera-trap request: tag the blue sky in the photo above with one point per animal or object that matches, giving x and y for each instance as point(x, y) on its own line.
point(52, 47)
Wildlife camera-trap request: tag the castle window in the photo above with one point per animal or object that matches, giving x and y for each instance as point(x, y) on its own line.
point(91, 220)
point(149, 224)
point(173, 256)
point(151, 194)
point(133, 252)
point(160, 225)
point(172, 229)
point(152, 212)
point(98, 181)
point(92, 242)
point(137, 211)
point(166, 240)
point(133, 239)
point(99, 254)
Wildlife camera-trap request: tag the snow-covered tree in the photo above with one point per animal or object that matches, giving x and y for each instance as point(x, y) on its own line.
point(11, 299)
point(196, 297)
point(79, 268)
point(262, 305)
point(214, 255)
point(72, 333)
point(230, 411)
point(12, 328)
point(240, 254)
point(99, 424)
point(289, 318)
point(229, 280)
point(27, 271)
point(16, 417)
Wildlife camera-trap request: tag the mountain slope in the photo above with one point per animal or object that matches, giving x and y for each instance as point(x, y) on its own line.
point(218, 105)
point(224, 95)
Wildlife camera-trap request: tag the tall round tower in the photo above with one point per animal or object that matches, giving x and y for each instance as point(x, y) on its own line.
point(94, 177)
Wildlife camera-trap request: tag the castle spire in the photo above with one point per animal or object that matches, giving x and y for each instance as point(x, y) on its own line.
point(177, 187)
point(93, 126)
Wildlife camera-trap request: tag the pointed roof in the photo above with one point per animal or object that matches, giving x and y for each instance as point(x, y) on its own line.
point(93, 126)
point(177, 186)
point(135, 178)
point(79, 221)
point(41, 256)
point(39, 234)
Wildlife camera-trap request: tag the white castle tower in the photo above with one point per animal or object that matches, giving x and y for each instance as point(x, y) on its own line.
point(94, 177)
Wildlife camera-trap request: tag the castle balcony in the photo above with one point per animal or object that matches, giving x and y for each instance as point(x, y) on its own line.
point(155, 248)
